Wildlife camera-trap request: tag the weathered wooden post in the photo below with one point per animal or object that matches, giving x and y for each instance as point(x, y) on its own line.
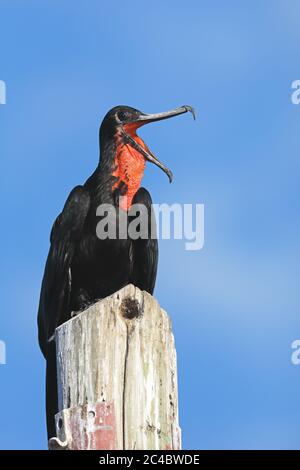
point(117, 376)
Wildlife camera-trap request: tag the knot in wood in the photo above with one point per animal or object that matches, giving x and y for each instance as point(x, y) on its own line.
point(130, 308)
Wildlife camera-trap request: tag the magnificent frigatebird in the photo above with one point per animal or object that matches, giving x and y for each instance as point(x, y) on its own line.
point(81, 267)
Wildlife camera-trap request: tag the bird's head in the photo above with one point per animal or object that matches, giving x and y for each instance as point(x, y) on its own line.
point(126, 150)
point(122, 122)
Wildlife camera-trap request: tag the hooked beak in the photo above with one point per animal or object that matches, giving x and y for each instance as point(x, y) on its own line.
point(146, 119)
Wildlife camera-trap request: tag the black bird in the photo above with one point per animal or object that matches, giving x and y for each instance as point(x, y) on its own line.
point(81, 268)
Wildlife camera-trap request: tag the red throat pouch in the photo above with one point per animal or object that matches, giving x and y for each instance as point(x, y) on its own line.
point(130, 166)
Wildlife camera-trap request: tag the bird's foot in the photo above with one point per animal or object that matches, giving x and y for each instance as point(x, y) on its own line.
point(86, 305)
point(74, 313)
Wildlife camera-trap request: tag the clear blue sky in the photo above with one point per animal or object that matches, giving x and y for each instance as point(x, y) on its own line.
point(235, 304)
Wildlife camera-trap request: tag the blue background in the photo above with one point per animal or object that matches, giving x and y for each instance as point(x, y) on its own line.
point(235, 304)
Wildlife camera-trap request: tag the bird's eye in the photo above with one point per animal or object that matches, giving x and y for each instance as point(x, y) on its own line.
point(122, 115)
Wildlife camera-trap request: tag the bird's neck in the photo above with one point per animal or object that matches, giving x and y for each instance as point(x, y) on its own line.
point(120, 171)
point(129, 166)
